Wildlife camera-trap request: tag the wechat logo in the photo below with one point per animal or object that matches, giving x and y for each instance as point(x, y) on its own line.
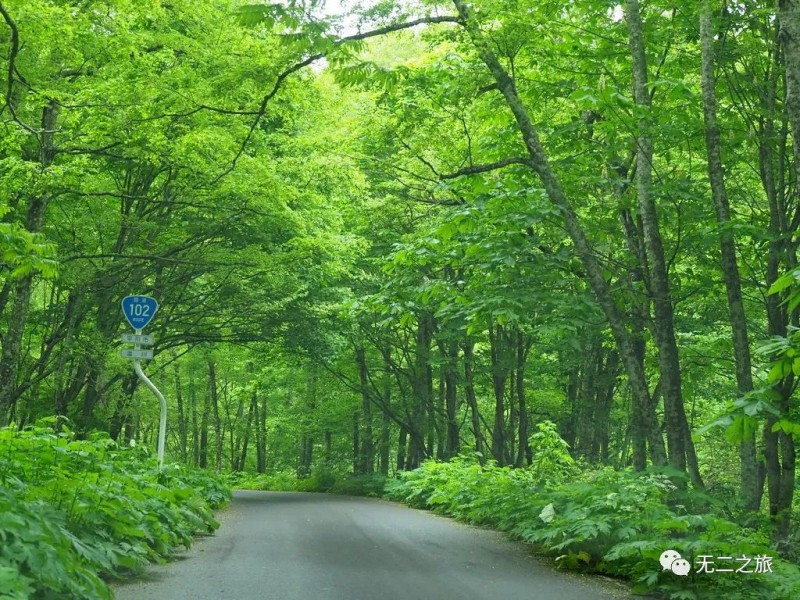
point(672, 561)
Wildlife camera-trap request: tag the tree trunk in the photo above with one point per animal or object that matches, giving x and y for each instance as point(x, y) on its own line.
point(121, 412)
point(367, 446)
point(10, 358)
point(251, 411)
point(449, 391)
point(385, 443)
point(402, 440)
point(261, 434)
point(750, 490)
point(587, 393)
point(423, 394)
point(499, 374)
point(386, 423)
point(513, 408)
point(779, 447)
point(306, 458)
point(605, 400)
point(73, 316)
point(236, 438)
point(441, 409)
point(214, 397)
point(182, 425)
point(472, 401)
point(523, 451)
point(571, 389)
point(789, 36)
point(640, 316)
point(679, 446)
point(600, 287)
point(357, 463)
point(203, 447)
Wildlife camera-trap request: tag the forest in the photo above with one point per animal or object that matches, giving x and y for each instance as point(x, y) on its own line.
point(531, 245)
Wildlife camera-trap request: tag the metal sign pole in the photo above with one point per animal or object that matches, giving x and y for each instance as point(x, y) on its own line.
point(162, 425)
point(139, 311)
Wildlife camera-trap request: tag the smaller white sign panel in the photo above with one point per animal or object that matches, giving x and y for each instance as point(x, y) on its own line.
point(145, 354)
point(132, 338)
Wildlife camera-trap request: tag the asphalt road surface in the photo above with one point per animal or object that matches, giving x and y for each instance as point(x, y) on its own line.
point(291, 546)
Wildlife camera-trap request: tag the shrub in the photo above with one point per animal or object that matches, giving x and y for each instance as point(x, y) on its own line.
point(360, 485)
point(89, 508)
point(606, 521)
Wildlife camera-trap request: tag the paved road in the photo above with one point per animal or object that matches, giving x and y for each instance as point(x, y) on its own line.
point(291, 546)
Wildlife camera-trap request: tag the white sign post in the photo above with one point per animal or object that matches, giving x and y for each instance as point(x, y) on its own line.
point(139, 311)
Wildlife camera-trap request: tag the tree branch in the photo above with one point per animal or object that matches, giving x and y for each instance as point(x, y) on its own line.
point(262, 109)
point(475, 169)
point(12, 57)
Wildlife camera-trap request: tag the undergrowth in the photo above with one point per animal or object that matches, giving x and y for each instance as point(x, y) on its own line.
point(321, 480)
point(612, 522)
point(73, 512)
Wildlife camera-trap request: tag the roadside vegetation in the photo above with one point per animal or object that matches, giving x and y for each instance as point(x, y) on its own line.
point(389, 242)
point(74, 513)
point(615, 523)
point(602, 521)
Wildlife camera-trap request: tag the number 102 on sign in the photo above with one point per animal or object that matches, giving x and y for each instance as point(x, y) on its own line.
point(139, 310)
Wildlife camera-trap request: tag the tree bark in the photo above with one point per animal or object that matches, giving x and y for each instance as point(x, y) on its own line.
point(497, 344)
point(214, 397)
point(449, 377)
point(423, 394)
point(367, 453)
point(587, 393)
point(583, 248)
point(607, 385)
point(472, 401)
point(679, 446)
point(234, 433)
point(357, 463)
point(246, 442)
point(386, 422)
point(748, 475)
point(203, 446)
point(306, 458)
point(12, 342)
point(789, 36)
point(261, 433)
point(523, 451)
point(402, 441)
point(780, 449)
point(182, 425)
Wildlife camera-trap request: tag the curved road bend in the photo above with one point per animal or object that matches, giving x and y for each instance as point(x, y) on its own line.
point(293, 546)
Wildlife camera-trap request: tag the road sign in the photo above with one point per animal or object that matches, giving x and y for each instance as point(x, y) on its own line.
point(139, 310)
point(138, 353)
point(133, 338)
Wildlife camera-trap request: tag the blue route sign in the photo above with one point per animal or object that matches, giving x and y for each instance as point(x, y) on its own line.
point(139, 310)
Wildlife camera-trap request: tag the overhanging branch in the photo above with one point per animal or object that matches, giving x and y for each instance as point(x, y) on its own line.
point(12, 68)
point(475, 169)
point(262, 109)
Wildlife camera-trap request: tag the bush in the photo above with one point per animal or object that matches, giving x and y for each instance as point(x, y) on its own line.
point(321, 480)
point(360, 485)
point(605, 521)
point(40, 557)
point(72, 509)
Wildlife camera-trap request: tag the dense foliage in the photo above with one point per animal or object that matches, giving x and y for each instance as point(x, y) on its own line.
point(604, 521)
point(72, 511)
point(416, 231)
